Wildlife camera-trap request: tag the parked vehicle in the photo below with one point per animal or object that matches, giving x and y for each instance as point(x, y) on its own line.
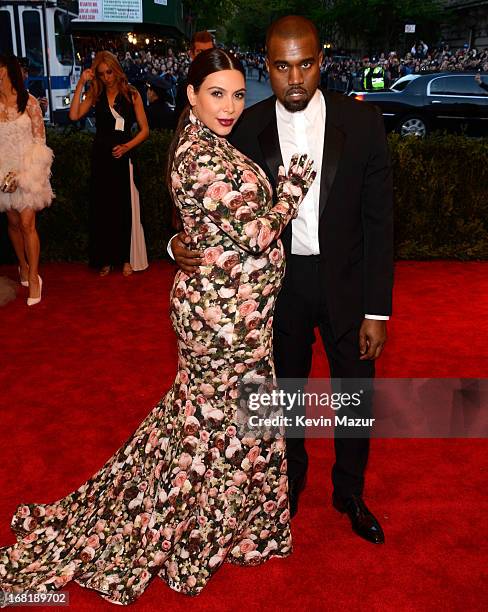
point(40, 31)
point(416, 104)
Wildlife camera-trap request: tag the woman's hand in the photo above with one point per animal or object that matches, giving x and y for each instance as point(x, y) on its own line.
point(293, 186)
point(120, 150)
point(79, 108)
point(87, 75)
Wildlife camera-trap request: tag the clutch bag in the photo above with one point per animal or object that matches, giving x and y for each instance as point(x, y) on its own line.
point(9, 183)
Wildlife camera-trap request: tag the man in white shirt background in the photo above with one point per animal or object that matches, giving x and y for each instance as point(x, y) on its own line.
point(339, 249)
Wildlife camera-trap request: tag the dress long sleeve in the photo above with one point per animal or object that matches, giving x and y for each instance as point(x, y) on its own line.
point(34, 111)
point(38, 157)
point(229, 190)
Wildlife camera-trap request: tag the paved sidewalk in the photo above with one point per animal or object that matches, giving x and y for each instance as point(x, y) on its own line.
point(257, 91)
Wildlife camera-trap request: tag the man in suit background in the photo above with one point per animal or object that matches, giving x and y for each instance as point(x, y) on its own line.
point(339, 250)
point(160, 115)
point(201, 41)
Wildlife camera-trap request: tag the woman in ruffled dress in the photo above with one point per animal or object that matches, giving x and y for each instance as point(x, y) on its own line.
point(25, 168)
point(189, 490)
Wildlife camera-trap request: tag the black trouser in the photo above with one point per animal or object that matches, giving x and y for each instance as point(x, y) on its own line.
point(300, 308)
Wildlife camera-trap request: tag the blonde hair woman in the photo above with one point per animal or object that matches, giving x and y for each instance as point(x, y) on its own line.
point(116, 234)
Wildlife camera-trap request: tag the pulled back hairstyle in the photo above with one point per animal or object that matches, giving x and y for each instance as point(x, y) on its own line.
point(97, 86)
point(16, 78)
point(206, 63)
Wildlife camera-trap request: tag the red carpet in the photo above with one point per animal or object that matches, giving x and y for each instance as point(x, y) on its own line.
point(81, 370)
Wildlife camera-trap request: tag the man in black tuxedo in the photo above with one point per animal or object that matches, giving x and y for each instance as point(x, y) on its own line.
point(339, 250)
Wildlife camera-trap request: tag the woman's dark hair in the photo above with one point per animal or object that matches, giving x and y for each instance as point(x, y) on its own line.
point(206, 63)
point(16, 77)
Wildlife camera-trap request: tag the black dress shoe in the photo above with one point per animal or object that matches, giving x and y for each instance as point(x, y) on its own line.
point(362, 520)
point(295, 487)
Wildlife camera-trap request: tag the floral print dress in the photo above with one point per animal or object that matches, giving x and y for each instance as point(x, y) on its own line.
point(185, 493)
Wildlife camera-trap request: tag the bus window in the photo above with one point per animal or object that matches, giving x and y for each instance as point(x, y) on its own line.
point(6, 45)
point(33, 42)
point(64, 43)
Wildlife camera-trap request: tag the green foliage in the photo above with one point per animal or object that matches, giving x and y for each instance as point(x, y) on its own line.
point(209, 14)
point(380, 23)
point(64, 226)
point(151, 163)
point(441, 201)
point(251, 18)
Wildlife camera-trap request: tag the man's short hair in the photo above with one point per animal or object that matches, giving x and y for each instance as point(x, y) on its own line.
point(292, 26)
point(201, 37)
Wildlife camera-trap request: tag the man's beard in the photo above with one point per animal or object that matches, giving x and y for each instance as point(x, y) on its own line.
point(293, 106)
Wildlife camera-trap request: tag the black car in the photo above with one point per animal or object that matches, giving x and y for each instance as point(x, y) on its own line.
point(419, 103)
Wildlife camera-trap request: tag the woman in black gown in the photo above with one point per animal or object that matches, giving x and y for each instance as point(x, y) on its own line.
point(116, 235)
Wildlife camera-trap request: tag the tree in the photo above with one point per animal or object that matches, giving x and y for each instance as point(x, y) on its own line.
point(381, 23)
point(251, 18)
point(208, 14)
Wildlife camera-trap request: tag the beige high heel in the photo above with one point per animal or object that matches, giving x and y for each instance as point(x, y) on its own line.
point(34, 301)
point(105, 271)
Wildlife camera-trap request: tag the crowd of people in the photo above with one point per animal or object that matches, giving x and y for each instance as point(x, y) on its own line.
point(168, 70)
point(344, 73)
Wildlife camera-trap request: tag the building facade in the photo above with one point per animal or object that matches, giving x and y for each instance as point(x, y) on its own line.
point(468, 23)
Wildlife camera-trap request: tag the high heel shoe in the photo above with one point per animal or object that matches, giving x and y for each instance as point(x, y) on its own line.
point(105, 270)
point(34, 301)
point(24, 283)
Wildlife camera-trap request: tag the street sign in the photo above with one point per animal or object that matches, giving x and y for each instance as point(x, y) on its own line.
point(409, 28)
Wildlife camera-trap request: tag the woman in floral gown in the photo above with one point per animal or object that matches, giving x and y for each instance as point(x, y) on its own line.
point(185, 492)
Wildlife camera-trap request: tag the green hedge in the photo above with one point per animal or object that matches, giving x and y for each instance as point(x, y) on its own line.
point(63, 227)
point(441, 202)
point(441, 197)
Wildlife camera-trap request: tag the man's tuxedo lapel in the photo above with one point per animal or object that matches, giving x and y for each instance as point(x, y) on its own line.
point(270, 146)
point(333, 145)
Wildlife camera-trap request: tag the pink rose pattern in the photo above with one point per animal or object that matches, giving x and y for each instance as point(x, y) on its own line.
point(185, 493)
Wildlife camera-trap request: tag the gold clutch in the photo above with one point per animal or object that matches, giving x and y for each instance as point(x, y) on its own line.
point(9, 183)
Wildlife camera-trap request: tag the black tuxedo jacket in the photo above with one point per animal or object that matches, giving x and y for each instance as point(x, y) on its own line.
point(356, 209)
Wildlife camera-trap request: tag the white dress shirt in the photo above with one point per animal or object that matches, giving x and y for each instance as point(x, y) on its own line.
point(303, 132)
